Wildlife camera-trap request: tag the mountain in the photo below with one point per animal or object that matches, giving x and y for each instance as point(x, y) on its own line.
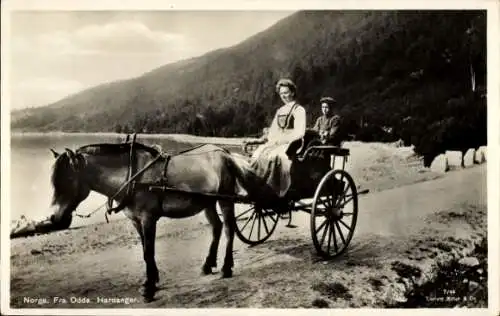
point(407, 70)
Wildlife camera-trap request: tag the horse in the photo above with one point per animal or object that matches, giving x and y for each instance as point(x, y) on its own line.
point(106, 168)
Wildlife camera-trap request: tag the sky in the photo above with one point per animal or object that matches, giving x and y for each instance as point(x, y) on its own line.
point(54, 54)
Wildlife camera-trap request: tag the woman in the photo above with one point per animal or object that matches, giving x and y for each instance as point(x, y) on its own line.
point(270, 161)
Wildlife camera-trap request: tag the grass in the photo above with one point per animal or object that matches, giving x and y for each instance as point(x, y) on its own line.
point(455, 285)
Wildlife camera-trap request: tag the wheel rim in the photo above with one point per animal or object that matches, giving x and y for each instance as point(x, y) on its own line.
point(334, 214)
point(255, 225)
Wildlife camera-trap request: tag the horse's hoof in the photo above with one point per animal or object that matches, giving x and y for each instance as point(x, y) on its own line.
point(206, 270)
point(148, 292)
point(227, 274)
point(148, 299)
point(148, 296)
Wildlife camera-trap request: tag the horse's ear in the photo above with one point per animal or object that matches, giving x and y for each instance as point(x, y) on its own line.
point(71, 156)
point(55, 153)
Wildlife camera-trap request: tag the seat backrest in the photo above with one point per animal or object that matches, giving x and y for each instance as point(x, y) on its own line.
point(298, 147)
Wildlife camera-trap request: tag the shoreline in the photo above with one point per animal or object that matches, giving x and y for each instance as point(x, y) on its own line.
point(176, 137)
point(374, 166)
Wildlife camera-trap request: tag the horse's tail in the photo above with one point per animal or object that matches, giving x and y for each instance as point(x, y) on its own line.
point(248, 183)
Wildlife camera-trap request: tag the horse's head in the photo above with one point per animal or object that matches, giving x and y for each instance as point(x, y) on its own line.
point(69, 186)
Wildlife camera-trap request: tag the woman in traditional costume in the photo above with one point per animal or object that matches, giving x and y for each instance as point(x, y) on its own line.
point(270, 161)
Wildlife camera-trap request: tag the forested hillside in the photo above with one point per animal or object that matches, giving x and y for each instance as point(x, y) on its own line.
point(420, 75)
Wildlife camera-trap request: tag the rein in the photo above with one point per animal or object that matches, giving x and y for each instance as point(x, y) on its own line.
point(129, 184)
point(124, 185)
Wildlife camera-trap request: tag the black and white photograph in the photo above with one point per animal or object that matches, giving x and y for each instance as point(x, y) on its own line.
point(272, 159)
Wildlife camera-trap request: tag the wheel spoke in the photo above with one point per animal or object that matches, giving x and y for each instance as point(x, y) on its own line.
point(245, 212)
point(274, 217)
point(334, 239)
point(332, 199)
point(345, 225)
point(324, 232)
point(325, 202)
point(248, 221)
point(340, 232)
point(253, 223)
point(265, 225)
point(258, 226)
point(320, 227)
point(328, 200)
point(351, 197)
point(348, 214)
point(346, 189)
point(343, 195)
point(329, 238)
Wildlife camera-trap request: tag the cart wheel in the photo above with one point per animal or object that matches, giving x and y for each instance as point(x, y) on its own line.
point(334, 213)
point(255, 224)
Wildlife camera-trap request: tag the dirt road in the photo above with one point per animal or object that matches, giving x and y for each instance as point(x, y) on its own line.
point(401, 234)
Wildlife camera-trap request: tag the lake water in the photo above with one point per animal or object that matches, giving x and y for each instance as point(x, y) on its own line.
point(31, 166)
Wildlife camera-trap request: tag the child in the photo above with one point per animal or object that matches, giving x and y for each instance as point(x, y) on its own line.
point(327, 124)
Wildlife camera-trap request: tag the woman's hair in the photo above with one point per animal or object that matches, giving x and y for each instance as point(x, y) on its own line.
point(286, 83)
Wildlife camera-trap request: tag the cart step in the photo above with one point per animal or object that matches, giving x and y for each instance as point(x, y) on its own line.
point(365, 191)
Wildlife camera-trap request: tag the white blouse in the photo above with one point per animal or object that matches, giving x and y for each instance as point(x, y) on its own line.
point(289, 124)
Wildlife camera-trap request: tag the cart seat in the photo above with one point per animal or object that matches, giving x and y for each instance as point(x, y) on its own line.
point(311, 147)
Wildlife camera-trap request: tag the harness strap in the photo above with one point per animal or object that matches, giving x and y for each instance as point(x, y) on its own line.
point(135, 176)
point(130, 172)
point(130, 185)
point(167, 160)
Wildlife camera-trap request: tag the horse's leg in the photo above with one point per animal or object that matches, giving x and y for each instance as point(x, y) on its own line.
point(148, 223)
point(229, 228)
point(214, 220)
point(138, 226)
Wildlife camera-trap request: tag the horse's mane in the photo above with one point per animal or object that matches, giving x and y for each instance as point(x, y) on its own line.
point(109, 148)
point(59, 178)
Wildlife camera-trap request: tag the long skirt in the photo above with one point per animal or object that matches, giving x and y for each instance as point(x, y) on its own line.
point(272, 165)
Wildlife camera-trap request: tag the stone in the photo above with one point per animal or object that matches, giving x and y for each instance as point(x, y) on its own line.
point(483, 150)
point(396, 294)
point(440, 164)
point(455, 159)
point(479, 156)
point(398, 143)
point(473, 285)
point(469, 261)
point(469, 158)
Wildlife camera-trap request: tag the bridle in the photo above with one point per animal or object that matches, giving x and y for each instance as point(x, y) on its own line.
point(129, 183)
